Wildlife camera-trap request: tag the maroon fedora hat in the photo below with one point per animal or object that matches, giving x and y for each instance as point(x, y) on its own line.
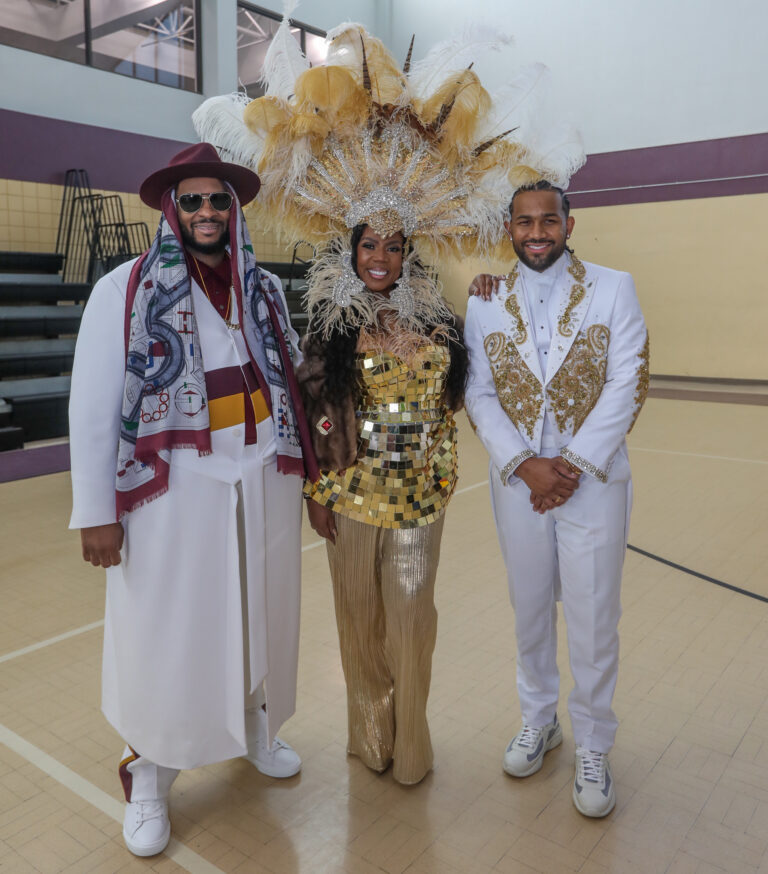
point(202, 159)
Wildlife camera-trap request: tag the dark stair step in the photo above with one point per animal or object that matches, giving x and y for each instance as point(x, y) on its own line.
point(39, 406)
point(26, 288)
point(11, 437)
point(50, 321)
point(30, 262)
point(36, 357)
point(284, 269)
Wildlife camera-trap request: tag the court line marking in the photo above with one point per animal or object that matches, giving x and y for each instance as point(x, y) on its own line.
point(697, 455)
point(51, 640)
point(693, 573)
point(98, 798)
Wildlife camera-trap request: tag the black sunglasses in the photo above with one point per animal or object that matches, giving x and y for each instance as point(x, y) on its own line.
point(219, 200)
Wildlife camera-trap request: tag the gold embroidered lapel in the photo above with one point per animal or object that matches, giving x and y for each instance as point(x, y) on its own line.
point(574, 304)
point(516, 307)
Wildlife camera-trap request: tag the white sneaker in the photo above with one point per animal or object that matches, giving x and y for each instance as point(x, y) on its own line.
point(280, 760)
point(525, 753)
point(593, 791)
point(146, 827)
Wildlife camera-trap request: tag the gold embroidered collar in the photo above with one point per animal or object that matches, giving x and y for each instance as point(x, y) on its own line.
point(577, 270)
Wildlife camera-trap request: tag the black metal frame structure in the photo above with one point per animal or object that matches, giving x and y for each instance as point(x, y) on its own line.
point(93, 234)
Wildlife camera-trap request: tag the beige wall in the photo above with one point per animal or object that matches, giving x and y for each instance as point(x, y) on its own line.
point(697, 265)
point(29, 219)
point(699, 270)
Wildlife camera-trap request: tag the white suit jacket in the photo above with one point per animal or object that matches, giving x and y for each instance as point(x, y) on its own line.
point(597, 370)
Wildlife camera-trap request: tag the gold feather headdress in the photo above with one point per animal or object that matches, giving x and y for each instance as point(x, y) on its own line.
point(421, 149)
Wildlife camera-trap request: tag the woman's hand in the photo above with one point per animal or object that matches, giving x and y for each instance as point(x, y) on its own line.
point(322, 521)
point(484, 285)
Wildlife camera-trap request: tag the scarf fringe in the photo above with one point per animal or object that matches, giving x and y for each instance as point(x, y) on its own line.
point(135, 505)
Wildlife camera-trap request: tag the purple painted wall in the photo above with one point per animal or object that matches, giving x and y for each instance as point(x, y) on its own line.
point(38, 149)
point(710, 168)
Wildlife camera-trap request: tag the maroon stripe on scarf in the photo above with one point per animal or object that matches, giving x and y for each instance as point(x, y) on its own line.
point(223, 382)
point(309, 468)
point(263, 384)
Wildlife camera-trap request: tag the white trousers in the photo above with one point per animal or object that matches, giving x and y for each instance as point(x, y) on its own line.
point(576, 553)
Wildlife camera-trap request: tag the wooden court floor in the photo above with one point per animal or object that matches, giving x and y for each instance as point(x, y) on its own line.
point(691, 759)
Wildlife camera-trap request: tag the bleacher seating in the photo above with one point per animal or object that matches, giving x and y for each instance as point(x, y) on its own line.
point(39, 318)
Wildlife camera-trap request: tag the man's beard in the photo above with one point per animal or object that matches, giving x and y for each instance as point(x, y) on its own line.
point(212, 248)
point(541, 263)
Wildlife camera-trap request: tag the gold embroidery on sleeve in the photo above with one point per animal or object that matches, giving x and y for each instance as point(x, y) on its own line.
point(643, 380)
point(518, 389)
point(577, 385)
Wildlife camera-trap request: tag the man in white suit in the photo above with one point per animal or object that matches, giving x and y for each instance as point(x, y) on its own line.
point(558, 374)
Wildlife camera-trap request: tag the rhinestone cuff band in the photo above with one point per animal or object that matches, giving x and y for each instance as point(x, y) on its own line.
point(585, 465)
point(511, 465)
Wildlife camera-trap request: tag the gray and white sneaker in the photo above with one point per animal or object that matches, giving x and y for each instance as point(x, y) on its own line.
point(594, 793)
point(525, 753)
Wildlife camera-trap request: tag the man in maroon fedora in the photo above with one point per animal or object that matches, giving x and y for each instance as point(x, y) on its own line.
point(189, 445)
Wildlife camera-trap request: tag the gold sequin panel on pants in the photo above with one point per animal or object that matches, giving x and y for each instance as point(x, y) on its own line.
point(383, 588)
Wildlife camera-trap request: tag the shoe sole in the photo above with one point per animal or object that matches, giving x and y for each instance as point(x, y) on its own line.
point(554, 741)
point(274, 772)
point(151, 850)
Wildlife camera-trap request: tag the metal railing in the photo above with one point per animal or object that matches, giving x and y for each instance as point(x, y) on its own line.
point(300, 265)
point(93, 235)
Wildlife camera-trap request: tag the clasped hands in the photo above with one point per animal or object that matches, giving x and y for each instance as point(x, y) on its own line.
point(551, 481)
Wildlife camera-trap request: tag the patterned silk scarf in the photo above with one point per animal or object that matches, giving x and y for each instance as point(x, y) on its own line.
point(164, 398)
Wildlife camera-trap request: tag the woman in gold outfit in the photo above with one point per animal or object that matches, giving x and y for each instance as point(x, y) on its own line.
point(372, 162)
point(387, 396)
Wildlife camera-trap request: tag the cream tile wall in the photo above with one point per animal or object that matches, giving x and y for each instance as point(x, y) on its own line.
point(29, 219)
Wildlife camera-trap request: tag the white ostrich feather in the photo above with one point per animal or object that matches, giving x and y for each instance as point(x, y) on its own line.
point(284, 61)
point(280, 179)
point(516, 103)
point(559, 153)
point(349, 52)
point(219, 121)
point(453, 56)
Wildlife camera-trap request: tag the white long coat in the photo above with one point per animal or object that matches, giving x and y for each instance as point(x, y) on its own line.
point(175, 655)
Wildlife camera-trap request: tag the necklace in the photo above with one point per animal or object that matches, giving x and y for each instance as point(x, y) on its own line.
point(233, 326)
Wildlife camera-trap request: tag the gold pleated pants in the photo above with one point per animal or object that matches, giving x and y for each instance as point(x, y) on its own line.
point(383, 589)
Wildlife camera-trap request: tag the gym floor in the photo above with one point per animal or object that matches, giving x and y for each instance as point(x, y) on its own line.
point(690, 762)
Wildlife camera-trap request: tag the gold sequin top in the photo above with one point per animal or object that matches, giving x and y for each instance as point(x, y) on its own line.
point(406, 463)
